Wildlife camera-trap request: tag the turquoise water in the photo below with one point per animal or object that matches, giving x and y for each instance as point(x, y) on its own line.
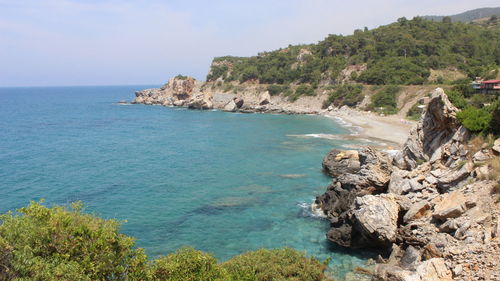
point(221, 182)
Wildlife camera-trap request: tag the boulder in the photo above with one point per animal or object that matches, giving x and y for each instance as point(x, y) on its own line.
point(398, 181)
point(338, 162)
point(200, 103)
point(375, 219)
point(451, 178)
point(496, 146)
point(230, 106)
point(411, 258)
point(265, 98)
point(239, 102)
point(449, 226)
point(433, 270)
point(451, 206)
point(481, 156)
point(418, 210)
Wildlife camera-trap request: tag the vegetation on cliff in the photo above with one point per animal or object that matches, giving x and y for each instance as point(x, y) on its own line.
point(398, 53)
point(40, 243)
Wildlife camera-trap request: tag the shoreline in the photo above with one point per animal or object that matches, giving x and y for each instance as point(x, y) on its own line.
point(388, 132)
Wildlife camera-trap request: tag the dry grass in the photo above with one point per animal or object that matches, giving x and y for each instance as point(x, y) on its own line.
point(446, 74)
point(479, 142)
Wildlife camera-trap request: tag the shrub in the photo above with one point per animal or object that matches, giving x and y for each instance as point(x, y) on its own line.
point(275, 90)
point(385, 100)
point(347, 94)
point(305, 90)
point(188, 264)
point(55, 243)
point(475, 119)
point(457, 99)
point(181, 77)
point(279, 264)
point(40, 243)
point(414, 113)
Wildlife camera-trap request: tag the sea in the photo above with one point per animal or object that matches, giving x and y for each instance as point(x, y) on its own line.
point(224, 183)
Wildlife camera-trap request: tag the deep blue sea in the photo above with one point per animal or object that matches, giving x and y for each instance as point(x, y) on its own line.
point(221, 182)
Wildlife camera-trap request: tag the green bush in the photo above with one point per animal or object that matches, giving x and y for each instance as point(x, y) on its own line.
point(181, 77)
point(414, 113)
point(305, 90)
point(188, 264)
point(279, 264)
point(275, 90)
point(347, 94)
point(475, 119)
point(385, 100)
point(40, 243)
point(457, 99)
point(54, 243)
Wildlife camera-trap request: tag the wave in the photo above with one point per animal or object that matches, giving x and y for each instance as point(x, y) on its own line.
point(311, 210)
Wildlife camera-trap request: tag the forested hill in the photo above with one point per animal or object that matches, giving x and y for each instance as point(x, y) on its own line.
point(402, 53)
point(469, 16)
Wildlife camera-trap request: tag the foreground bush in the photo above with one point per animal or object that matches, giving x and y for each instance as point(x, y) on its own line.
point(59, 244)
point(188, 264)
point(280, 264)
point(40, 243)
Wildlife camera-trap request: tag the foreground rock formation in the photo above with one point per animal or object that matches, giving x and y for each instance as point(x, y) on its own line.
point(431, 209)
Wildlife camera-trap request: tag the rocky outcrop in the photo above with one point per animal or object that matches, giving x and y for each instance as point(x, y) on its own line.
point(245, 98)
point(177, 92)
point(436, 137)
point(430, 206)
point(338, 162)
point(375, 219)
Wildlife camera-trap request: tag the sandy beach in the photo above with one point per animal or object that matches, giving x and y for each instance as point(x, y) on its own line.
point(389, 132)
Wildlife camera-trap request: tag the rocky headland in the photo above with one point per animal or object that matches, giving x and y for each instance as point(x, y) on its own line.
point(431, 210)
point(189, 93)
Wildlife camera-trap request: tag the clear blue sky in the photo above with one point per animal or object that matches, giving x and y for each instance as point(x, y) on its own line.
point(114, 42)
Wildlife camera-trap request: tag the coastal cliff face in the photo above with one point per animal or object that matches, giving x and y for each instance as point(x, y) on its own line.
point(190, 93)
point(432, 208)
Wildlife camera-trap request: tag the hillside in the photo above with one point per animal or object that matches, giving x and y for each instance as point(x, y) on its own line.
point(402, 53)
point(373, 70)
point(469, 16)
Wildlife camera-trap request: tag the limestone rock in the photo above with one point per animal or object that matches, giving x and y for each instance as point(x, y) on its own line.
point(376, 218)
point(496, 146)
point(338, 162)
point(434, 270)
point(453, 177)
point(230, 106)
point(417, 211)
point(451, 206)
point(265, 98)
point(398, 181)
point(438, 127)
point(239, 102)
point(410, 258)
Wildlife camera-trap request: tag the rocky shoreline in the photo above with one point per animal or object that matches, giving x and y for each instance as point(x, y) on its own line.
point(189, 93)
point(431, 210)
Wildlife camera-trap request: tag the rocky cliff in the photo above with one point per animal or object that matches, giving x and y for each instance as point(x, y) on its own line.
point(190, 93)
point(431, 210)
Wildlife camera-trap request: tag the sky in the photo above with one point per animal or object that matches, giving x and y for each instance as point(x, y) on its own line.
point(139, 42)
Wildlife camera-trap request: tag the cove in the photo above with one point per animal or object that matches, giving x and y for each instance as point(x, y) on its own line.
point(221, 182)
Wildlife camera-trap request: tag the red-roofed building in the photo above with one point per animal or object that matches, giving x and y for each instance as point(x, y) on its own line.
point(490, 86)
